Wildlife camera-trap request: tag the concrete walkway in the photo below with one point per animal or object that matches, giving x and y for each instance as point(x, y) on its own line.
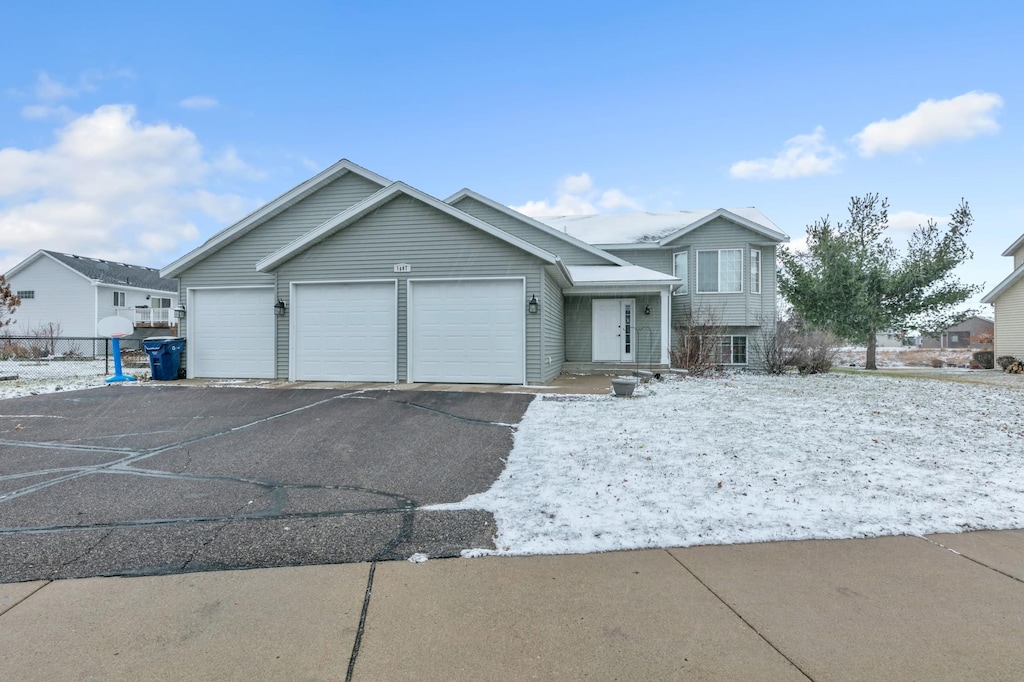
point(945, 607)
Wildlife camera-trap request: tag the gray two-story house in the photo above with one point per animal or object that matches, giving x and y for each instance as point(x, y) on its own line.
point(352, 277)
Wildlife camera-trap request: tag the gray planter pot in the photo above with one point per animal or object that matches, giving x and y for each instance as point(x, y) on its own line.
point(624, 386)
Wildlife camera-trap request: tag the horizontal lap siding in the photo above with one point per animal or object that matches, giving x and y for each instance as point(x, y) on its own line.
point(235, 263)
point(435, 244)
point(570, 253)
point(61, 297)
point(1009, 327)
point(553, 319)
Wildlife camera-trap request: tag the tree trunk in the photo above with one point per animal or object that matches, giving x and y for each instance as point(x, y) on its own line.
point(872, 342)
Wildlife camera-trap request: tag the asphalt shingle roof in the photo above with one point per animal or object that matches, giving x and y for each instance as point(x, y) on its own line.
point(112, 272)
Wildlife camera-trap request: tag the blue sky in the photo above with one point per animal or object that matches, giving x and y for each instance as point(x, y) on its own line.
point(136, 132)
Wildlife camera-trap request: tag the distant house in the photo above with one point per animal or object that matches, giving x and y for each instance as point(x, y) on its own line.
point(1008, 300)
point(890, 340)
point(73, 293)
point(350, 276)
point(974, 332)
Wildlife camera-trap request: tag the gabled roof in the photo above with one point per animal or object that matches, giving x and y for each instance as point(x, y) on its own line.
point(374, 201)
point(658, 228)
point(1014, 246)
point(99, 271)
point(268, 211)
point(536, 224)
point(1001, 288)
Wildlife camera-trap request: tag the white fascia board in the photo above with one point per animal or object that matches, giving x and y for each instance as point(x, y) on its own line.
point(34, 257)
point(1003, 286)
point(632, 246)
point(729, 215)
point(378, 199)
point(268, 211)
point(587, 289)
point(1014, 246)
point(536, 224)
point(163, 293)
point(564, 271)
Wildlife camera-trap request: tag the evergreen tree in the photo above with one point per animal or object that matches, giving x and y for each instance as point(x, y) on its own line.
point(853, 282)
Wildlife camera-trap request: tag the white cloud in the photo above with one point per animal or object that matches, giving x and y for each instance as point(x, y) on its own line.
point(113, 187)
point(803, 156)
point(578, 196)
point(231, 163)
point(49, 89)
point(910, 220)
point(38, 112)
point(933, 121)
point(199, 103)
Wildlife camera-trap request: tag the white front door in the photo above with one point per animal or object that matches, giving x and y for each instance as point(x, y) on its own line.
point(613, 329)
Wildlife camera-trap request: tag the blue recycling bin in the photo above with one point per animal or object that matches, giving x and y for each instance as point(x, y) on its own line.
point(164, 356)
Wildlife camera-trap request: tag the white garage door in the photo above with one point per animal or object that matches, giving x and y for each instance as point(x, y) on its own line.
point(467, 332)
point(345, 331)
point(231, 333)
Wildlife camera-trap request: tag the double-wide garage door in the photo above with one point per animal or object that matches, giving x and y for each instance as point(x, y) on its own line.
point(345, 331)
point(467, 331)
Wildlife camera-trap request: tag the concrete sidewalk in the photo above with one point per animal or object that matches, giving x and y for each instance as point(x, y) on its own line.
point(897, 608)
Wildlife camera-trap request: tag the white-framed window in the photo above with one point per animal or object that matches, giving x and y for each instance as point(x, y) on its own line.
point(26, 294)
point(118, 299)
point(732, 350)
point(755, 271)
point(720, 272)
point(159, 302)
point(681, 269)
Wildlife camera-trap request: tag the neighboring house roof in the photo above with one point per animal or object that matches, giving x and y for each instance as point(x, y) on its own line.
point(657, 228)
point(100, 271)
point(268, 211)
point(380, 198)
point(1014, 246)
point(532, 222)
point(613, 274)
point(1016, 276)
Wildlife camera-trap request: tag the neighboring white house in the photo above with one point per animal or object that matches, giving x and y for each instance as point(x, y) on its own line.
point(75, 292)
point(1008, 300)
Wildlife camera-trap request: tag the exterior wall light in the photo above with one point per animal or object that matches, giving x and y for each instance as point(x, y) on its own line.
point(647, 310)
point(533, 306)
point(279, 308)
point(179, 312)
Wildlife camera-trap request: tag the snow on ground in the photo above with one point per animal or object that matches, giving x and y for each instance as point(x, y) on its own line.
point(38, 377)
point(754, 458)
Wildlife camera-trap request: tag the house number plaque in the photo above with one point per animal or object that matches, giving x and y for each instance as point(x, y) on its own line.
point(403, 267)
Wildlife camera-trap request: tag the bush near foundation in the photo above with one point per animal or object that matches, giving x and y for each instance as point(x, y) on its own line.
point(984, 358)
point(1005, 361)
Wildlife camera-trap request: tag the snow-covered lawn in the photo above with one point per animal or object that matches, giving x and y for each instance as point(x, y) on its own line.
point(753, 458)
point(50, 376)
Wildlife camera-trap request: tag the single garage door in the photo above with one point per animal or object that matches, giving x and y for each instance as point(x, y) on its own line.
point(469, 331)
point(345, 331)
point(231, 333)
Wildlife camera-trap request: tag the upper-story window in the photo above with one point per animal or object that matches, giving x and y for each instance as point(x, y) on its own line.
point(681, 269)
point(118, 299)
point(755, 271)
point(720, 272)
point(26, 294)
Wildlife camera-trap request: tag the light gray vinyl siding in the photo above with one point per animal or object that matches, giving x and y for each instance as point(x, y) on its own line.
point(659, 260)
point(435, 244)
point(1009, 325)
point(579, 316)
point(553, 333)
point(62, 297)
point(235, 263)
point(569, 252)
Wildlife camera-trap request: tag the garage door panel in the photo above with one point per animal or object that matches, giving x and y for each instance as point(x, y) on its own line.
point(467, 331)
point(231, 334)
point(345, 331)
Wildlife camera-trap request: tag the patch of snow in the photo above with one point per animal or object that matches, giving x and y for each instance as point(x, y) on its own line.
point(418, 558)
point(752, 458)
point(584, 274)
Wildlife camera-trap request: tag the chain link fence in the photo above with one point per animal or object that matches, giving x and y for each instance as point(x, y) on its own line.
point(49, 357)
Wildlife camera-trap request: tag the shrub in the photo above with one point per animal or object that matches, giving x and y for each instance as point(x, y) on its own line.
point(938, 363)
point(985, 358)
point(1005, 361)
point(814, 352)
point(697, 343)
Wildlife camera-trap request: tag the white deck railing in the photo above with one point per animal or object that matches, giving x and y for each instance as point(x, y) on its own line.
point(151, 316)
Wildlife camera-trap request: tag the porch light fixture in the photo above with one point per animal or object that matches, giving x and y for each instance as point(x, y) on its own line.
point(279, 308)
point(533, 306)
point(179, 312)
point(647, 310)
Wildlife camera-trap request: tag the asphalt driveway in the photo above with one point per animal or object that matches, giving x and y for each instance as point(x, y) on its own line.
point(144, 480)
